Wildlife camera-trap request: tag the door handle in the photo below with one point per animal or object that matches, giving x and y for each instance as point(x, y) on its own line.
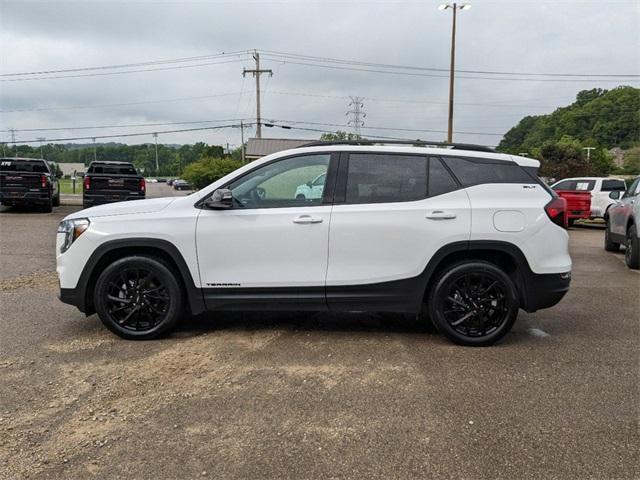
point(304, 219)
point(441, 215)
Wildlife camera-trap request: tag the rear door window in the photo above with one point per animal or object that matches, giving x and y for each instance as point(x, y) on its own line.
point(440, 180)
point(386, 178)
point(476, 171)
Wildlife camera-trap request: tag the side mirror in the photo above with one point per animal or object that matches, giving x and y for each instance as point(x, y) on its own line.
point(615, 195)
point(221, 199)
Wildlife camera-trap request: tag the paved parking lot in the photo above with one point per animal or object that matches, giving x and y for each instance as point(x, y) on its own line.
point(315, 395)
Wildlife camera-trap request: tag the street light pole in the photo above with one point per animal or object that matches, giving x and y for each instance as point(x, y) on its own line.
point(455, 7)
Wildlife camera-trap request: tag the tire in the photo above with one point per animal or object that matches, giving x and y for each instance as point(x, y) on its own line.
point(147, 284)
point(473, 303)
point(300, 197)
point(56, 200)
point(572, 221)
point(632, 253)
point(48, 206)
point(609, 245)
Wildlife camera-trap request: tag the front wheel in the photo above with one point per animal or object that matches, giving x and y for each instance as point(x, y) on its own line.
point(632, 253)
point(138, 298)
point(473, 303)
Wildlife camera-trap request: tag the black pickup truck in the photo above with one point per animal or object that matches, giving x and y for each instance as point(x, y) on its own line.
point(28, 181)
point(108, 182)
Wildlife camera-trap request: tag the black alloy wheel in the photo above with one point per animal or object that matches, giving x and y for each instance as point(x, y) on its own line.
point(474, 303)
point(138, 298)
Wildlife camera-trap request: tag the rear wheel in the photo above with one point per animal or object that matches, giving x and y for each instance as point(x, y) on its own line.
point(56, 200)
point(632, 253)
point(473, 303)
point(48, 206)
point(138, 298)
point(609, 245)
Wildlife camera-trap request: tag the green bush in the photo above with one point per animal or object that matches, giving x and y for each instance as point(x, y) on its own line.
point(208, 169)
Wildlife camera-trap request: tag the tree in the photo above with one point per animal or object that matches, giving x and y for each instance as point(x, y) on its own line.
point(340, 135)
point(208, 169)
point(603, 118)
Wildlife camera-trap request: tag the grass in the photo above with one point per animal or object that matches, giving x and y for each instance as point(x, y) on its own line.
point(66, 185)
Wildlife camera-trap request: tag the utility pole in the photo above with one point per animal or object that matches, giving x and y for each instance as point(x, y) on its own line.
point(588, 149)
point(455, 7)
point(13, 140)
point(95, 151)
point(256, 73)
point(155, 136)
point(242, 141)
point(41, 139)
point(357, 114)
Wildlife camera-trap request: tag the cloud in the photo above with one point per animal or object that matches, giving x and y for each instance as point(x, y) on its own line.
point(524, 36)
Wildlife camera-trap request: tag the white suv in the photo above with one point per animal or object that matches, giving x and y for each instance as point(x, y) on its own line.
point(459, 234)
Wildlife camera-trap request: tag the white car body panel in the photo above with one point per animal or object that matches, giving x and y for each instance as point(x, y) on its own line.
point(380, 242)
point(263, 247)
point(544, 244)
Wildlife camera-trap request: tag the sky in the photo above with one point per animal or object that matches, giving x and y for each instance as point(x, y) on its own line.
point(597, 41)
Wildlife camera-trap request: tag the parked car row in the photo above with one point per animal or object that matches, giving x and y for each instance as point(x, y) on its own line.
point(588, 197)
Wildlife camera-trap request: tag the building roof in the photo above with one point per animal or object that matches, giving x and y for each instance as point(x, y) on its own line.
point(259, 147)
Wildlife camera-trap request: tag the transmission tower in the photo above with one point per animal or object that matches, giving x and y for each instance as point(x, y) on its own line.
point(13, 140)
point(356, 114)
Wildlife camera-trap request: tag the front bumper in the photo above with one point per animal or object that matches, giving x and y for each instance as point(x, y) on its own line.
point(72, 296)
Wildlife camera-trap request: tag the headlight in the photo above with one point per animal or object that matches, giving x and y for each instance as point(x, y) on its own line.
point(72, 230)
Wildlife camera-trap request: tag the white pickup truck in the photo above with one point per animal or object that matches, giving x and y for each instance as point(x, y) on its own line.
point(600, 187)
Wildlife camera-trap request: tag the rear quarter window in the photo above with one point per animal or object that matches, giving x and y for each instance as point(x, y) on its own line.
point(582, 185)
point(476, 171)
point(613, 186)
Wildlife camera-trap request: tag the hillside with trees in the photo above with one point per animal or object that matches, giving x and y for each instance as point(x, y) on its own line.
point(602, 119)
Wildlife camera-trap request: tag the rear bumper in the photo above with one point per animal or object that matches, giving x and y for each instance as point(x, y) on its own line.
point(90, 200)
point(21, 197)
point(545, 290)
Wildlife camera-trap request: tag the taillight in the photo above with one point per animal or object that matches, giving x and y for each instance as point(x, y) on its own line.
point(142, 185)
point(43, 181)
point(557, 211)
point(87, 183)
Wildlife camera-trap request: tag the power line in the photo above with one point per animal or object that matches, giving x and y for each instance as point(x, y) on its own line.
point(128, 65)
point(414, 74)
point(97, 127)
point(140, 134)
point(178, 67)
point(431, 69)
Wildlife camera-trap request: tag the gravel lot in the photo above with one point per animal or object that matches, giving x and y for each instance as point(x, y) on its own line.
point(315, 396)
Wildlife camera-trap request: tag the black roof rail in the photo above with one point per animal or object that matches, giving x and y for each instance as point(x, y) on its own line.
point(415, 143)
